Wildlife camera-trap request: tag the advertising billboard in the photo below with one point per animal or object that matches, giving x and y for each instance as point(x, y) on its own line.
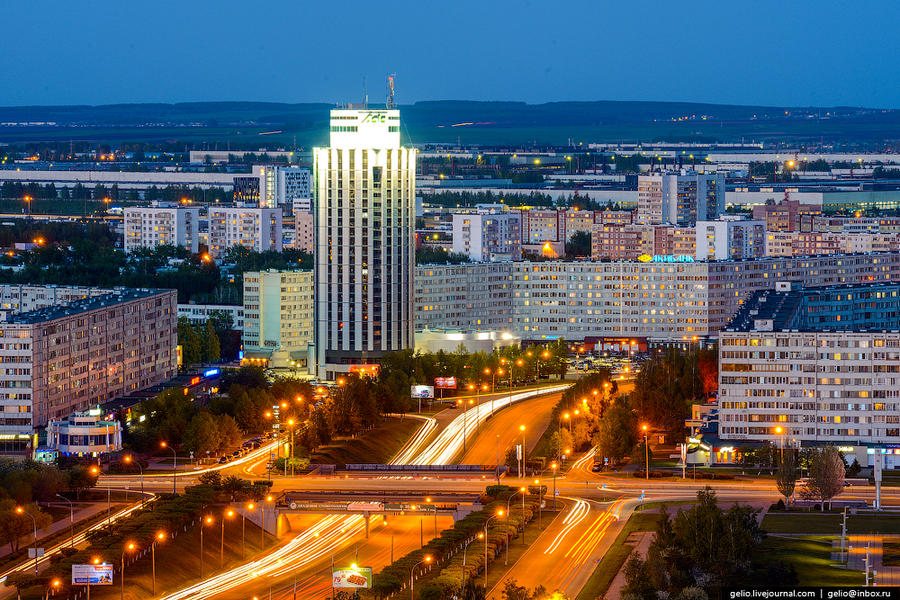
point(352, 578)
point(423, 391)
point(93, 574)
point(445, 383)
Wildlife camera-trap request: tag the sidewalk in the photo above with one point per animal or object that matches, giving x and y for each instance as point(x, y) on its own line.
point(640, 540)
point(57, 526)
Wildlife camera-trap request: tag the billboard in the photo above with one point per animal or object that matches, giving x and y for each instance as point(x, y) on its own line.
point(445, 383)
point(92, 574)
point(423, 391)
point(353, 577)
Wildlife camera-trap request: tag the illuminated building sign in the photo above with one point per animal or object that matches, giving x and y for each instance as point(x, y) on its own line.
point(666, 258)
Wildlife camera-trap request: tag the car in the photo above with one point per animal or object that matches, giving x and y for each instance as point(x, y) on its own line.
point(236, 453)
point(223, 460)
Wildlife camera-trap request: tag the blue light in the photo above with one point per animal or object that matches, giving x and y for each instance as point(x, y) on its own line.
point(211, 372)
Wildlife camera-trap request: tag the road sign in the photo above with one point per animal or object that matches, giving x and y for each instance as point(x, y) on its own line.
point(35, 552)
point(353, 578)
point(92, 574)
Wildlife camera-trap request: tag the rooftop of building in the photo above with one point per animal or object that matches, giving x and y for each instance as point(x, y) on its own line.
point(781, 309)
point(50, 313)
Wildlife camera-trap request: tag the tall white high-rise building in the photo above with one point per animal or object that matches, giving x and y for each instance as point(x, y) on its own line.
point(364, 189)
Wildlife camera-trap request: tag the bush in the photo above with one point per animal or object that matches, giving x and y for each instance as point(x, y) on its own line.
point(653, 474)
point(777, 506)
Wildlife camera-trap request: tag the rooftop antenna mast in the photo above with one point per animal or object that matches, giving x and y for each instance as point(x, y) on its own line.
point(390, 84)
point(365, 93)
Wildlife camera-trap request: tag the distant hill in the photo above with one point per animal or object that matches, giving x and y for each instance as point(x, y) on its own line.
point(489, 123)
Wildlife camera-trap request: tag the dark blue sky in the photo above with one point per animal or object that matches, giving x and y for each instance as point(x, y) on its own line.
point(750, 52)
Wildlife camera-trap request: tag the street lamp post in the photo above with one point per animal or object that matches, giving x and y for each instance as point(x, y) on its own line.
point(128, 459)
point(646, 454)
point(229, 513)
point(426, 560)
point(125, 548)
point(537, 482)
point(160, 536)
point(553, 468)
point(174, 464)
point(205, 521)
point(71, 520)
point(486, 523)
point(465, 550)
point(780, 431)
point(22, 511)
point(524, 451)
point(508, 500)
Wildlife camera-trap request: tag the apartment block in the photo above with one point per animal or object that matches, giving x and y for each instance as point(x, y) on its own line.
point(278, 317)
point(786, 215)
point(656, 300)
point(258, 229)
point(152, 226)
point(61, 359)
point(621, 242)
point(681, 198)
point(730, 239)
point(488, 235)
point(821, 364)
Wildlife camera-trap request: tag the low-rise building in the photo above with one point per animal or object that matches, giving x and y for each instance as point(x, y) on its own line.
point(199, 314)
point(84, 434)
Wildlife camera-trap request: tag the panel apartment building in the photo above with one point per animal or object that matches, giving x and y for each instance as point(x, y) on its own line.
point(653, 300)
point(151, 226)
point(823, 364)
point(60, 359)
point(258, 229)
point(278, 317)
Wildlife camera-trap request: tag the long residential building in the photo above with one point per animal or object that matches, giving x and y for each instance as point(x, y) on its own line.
point(60, 359)
point(800, 366)
point(656, 300)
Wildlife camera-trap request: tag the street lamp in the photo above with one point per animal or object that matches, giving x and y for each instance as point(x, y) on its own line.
point(128, 459)
point(465, 550)
point(290, 458)
point(646, 454)
point(163, 444)
point(524, 464)
point(426, 560)
point(22, 511)
point(206, 521)
point(160, 536)
point(53, 586)
point(486, 523)
point(780, 431)
point(508, 500)
point(71, 520)
point(94, 561)
point(126, 548)
point(553, 467)
point(228, 513)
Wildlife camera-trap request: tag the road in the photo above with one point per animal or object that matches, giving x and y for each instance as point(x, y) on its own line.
point(331, 534)
point(502, 431)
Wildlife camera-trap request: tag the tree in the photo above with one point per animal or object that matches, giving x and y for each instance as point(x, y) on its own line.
point(14, 525)
point(617, 431)
point(22, 580)
point(786, 477)
point(579, 245)
point(826, 475)
point(212, 350)
point(80, 478)
point(202, 435)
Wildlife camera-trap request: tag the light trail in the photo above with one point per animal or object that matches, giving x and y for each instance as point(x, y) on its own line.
point(335, 531)
point(575, 516)
point(450, 441)
point(79, 538)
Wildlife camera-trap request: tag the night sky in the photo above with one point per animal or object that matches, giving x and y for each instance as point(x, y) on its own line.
point(777, 53)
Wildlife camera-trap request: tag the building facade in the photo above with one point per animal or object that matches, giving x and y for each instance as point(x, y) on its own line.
point(62, 359)
point(680, 198)
point(258, 229)
point(278, 317)
point(199, 314)
point(151, 226)
point(84, 434)
point(823, 365)
point(657, 300)
point(364, 188)
point(730, 239)
point(488, 235)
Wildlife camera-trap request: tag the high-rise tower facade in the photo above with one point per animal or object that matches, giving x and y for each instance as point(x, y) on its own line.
point(364, 185)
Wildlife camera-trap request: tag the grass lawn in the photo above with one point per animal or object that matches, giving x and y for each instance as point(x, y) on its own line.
point(829, 523)
point(616, 556)
point(376, 446)
point(810, 557)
